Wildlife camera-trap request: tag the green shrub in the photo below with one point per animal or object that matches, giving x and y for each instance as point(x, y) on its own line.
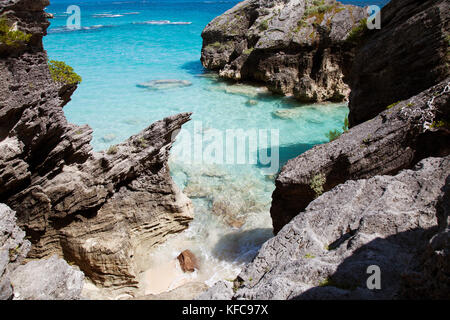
point(141, 143)
point(300, 24)
point(440, 124)
point(392, 105)
point(12, 38)
point(346, 124)
point(264, 25)
point(333, 135)
point(248, 51)
point(112, 150)
point(63, 73)
point(317, 184)
point(358, 31)
point(215, 45)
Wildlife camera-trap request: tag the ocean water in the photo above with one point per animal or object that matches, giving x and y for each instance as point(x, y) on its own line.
point(122, 44)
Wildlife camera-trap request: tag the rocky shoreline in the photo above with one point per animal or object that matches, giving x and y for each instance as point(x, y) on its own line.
point(300, 48)
point(71, 214)
point(385, 181)
point(97, 210)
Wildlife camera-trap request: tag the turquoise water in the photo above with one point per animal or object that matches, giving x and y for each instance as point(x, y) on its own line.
point(123, 44)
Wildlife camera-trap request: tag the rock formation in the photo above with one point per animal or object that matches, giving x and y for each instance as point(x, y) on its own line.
point(326, 250)
point(51, 279)
point(296, 47)
point(188, 261)
point(392, 81)
point(409, 54)
point(56, 281)
point(13, 249)
point(386, 180)
point(97, 210)
point(396, 139)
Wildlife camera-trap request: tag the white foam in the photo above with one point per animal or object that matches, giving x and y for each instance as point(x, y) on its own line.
point(163, 22)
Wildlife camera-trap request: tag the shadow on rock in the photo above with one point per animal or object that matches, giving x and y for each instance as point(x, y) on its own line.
point(398, 258)
point(241, 246)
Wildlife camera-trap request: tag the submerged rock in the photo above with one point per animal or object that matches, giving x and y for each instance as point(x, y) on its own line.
point(251, 103)
point(231, 198)
point(97, 210)
point(245, 90)
point(108, 138)
point(287, 113)
point(164, 84)
point(296, 47)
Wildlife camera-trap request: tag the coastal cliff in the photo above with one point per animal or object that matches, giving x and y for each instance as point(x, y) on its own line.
point(97, 210)
point(412, 125)
point(300, 48)
point(378, 194)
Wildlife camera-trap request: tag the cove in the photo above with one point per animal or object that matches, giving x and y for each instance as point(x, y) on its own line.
point(114, 52)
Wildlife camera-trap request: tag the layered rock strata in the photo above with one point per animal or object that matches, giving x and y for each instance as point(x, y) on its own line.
point(396, 139)
point(409, 54)
point(330, 249)
point(98, 210)
point(295, 47)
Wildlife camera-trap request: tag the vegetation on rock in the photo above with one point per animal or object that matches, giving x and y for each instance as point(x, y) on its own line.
point(63, 73)
point(357, 33)
point(264, 25)
point(334, 134)
point(10, 37)
point(317, 183)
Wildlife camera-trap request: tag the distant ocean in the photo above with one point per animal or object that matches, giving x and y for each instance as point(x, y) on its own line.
point(123, 43)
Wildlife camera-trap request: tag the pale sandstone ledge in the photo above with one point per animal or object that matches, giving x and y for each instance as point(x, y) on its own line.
point(99, 211)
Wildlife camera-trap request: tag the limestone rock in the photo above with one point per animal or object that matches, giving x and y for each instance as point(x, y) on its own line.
point(97, 210)
point(407, 55)
point(397, 138)
point(186, 292)
point(188, 261)
point(219, 291)
point(50, 279)
point(430, 279)
point(296, 47)
point(325, 251)
point(13, 249)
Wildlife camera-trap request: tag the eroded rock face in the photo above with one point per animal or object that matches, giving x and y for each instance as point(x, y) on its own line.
point(325, 251)
point(47, 279)
point(296, 47)
point(396, 139)
point(13, 249)
point(409, 54)
point(430, 279)
point(96, 210)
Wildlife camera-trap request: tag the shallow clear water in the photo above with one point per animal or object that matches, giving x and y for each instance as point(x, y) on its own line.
point(121, 45)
